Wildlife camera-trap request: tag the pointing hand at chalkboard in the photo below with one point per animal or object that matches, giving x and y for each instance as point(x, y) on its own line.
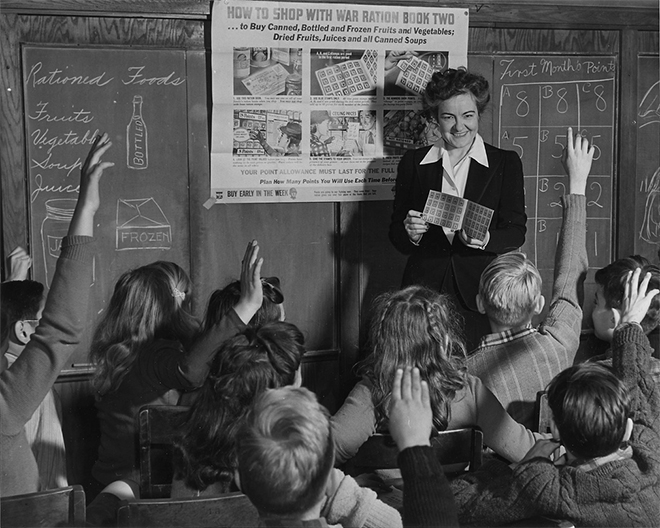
point(576, 159)
point(89, 200)
point(252, 294)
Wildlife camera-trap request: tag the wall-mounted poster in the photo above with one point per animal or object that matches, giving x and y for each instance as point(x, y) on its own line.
point(318, 102)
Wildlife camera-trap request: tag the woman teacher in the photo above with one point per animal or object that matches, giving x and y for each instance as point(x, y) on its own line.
point(461, 164)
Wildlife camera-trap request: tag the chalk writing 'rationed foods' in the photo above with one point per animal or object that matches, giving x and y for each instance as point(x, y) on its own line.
point(133, 76)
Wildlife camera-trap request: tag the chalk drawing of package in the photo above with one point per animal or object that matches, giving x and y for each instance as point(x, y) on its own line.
point(141, 224)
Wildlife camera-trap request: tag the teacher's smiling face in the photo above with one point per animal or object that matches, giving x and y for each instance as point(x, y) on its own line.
point(458, 121)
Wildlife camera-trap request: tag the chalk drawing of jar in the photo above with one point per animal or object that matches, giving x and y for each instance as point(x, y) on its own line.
point(136, 138)
point(651, 225)
point(53, 229)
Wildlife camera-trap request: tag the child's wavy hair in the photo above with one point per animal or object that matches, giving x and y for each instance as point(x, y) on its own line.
point(148, 303)
point(612, 278)
point(257, 359)
point(416, 327)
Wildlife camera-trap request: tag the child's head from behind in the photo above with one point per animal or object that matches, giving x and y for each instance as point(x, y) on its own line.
point(257, 359)
point(610, 282)
point(418, 327)
point(22, 304)
point(150, 298)
point(590, 409)
point(223, 300)
point(510, 290)
point(148, 303)
point(22, 300)
point(286, 452)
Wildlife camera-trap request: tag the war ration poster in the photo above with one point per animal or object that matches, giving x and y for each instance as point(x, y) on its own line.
point(318, 102)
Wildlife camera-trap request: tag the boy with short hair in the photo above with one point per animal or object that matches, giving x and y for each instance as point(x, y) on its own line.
point(516, 360)
point(286, 456)
point(24, 385)
point(608, 421)
point(606, 313)
point(22, 303)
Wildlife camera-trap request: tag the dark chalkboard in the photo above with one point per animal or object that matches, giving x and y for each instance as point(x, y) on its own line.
point(534, 99)
point(647, 199)
point(137, 96)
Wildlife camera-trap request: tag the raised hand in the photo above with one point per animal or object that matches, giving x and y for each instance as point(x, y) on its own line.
point(252, 294)
point(636, 298)
point(19, 263)
point(89, 199)
point(576, 159)
point(410, 414)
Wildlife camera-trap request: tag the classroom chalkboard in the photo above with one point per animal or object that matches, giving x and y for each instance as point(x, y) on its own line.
point(139, 97)
point(647, 211)
point(535, 97)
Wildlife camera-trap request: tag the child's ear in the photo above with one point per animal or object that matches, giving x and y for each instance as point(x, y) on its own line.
point(629, 428)
point(480, 304)
point(616, 317)
point(237, 479)
point(554, 430)
point(540, 304)
point(21, 332)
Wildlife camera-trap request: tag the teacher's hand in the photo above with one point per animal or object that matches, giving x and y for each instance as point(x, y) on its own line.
point(415, 226)
point(473, 242)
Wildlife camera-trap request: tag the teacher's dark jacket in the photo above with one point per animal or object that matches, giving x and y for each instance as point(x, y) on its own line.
point(499, 186)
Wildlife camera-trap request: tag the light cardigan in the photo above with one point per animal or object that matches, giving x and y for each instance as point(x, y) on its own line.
point(474, 405)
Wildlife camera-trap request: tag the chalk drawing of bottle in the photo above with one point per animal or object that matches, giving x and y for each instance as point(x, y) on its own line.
point(136, 138)
point(54, 228)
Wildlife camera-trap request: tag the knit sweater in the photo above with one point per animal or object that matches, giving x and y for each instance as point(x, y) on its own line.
point(516, 367)
point(26, 383)
point(617, 493)
point(427, 497)
point(474, 405)
point(159, 373)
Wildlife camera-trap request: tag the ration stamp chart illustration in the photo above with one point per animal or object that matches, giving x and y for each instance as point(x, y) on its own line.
point(533, 118)
point(350, 77)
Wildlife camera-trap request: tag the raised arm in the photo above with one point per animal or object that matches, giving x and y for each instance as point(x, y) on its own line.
point(19, 262)
point(631, 350)
point(564, 319)
point(23, 387)
point(427, 498)
point(195, 366)
point(82, 222)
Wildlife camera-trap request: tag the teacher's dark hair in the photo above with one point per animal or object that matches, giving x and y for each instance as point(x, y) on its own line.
point(450, 83)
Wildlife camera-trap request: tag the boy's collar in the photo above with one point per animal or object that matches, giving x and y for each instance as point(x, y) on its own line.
point(593, 463)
